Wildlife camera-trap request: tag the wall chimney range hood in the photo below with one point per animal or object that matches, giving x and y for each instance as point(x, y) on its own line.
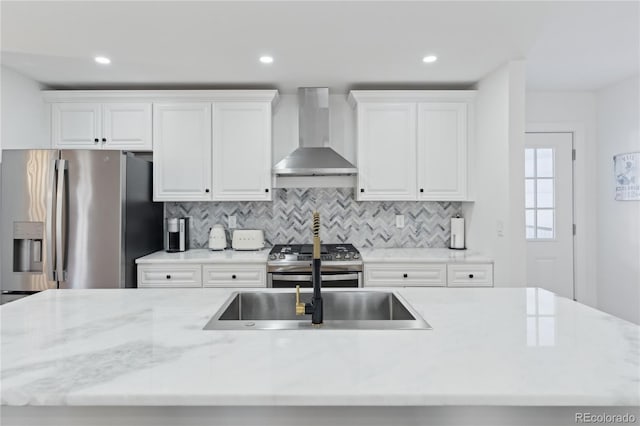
point(313, 157)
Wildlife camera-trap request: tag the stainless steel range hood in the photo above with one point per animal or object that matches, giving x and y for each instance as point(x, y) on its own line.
point(313, 157)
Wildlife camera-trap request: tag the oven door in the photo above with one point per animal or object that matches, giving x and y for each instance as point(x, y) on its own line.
point(303, 279)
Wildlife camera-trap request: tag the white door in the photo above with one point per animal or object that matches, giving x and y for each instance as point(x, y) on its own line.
point(182, 151)
point(386, 151)
point(549, 211)
point(127, 126)
point(241, 151)
point(442, 151)
point(76, 125)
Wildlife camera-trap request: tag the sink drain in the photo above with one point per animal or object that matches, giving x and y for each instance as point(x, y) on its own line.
point(249, 324)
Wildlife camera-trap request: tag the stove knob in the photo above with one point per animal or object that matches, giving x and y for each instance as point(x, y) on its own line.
point(338, 256)
point(347, 256)
point(356, 255)
point(273, 257)
point(281, 256)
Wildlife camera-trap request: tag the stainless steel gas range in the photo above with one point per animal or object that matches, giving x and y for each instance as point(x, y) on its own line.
point(290, 265)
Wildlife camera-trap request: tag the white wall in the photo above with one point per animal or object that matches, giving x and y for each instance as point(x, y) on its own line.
point(22, 112)
point(495, 221)
point(618, 251)
point(575, 112)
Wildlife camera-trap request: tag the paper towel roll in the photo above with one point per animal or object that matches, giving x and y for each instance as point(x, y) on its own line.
point(457, 232)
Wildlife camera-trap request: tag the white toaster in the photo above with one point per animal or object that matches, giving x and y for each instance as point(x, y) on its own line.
point(247, 239)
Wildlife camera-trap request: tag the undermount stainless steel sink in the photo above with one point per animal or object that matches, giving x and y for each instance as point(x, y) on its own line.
point(345, 310)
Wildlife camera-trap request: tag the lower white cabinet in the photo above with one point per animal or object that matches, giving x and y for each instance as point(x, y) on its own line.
point(234, 275)
point(470, 275)
point(169, 275)
point(428, 275)
point(405, 275)
point(202, 275)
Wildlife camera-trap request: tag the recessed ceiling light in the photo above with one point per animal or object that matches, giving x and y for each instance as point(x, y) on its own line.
point(103, 60)
point(266, 59)
point(429, 59)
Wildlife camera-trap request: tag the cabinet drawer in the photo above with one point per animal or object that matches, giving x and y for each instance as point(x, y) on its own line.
point(169, 276)
point(235, 275)
point(405, 274)
point(470, 275)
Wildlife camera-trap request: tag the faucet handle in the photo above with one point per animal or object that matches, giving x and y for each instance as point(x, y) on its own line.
point(300, 310)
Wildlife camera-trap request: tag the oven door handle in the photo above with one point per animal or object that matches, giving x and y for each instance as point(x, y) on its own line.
point(336, 277)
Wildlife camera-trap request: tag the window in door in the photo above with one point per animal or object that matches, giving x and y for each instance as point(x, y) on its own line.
point(539, 186)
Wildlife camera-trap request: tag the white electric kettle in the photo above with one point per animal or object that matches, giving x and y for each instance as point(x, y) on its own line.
point(217, 238)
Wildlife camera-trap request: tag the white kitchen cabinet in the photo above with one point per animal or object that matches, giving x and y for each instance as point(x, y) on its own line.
point(169, 275)
point(208, 145)
point(413, 145)
point(386, 149)
point(182, 151)
point(442, 151)
point(470, 275)
point(127, 126)
point(76, 125)
point(121, 126)
point(241, 151)
point(234, 275)
point(405, 274)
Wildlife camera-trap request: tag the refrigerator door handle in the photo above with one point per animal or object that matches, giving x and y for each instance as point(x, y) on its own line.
point(60, 221)
point(51, 254)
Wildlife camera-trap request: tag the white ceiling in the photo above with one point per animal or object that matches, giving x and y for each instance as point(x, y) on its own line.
point(574, 46)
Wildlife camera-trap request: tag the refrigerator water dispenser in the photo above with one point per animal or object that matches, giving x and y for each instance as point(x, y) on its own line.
point(27, 246)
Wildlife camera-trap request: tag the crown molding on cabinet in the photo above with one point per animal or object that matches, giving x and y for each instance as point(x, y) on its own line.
point(160, 95)
point(356, 96)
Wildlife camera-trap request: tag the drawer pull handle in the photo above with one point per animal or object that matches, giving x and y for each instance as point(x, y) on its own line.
point(168, 277)
point(233, 277)
point(96, 140)
point(470, 275)
point(405, 276)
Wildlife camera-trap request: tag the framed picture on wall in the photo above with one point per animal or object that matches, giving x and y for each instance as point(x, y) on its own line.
point(625, 167)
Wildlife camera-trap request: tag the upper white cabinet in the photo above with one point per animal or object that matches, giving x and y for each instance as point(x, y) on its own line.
point(442, 151)
point(182, 151)
point(80, 125)
point(76, 125)
point(208, 145)
point(386, 151)
point(127, 126)
point(413, 145)
point(241, 151)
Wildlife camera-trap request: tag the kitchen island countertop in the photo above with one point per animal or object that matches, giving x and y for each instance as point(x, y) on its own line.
point(133, 347)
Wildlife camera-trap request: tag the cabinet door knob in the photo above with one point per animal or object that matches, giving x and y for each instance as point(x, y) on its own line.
point(421, 189)
point(96, 140)
point(168, 277)
point(206, 190)
point(470, 275)
point(405, 275)
point(104, 139)
point(361, 189)
point(266, 190)
point(233, 277)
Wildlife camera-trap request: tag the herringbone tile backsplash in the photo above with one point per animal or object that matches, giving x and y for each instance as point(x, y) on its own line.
point(287, 219)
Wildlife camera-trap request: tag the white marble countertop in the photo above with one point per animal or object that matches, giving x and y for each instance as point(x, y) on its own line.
point(146, 347)
point(207, 256)
point(422, 255)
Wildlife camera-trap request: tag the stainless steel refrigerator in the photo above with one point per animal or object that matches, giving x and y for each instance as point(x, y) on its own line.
point(75, 219)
